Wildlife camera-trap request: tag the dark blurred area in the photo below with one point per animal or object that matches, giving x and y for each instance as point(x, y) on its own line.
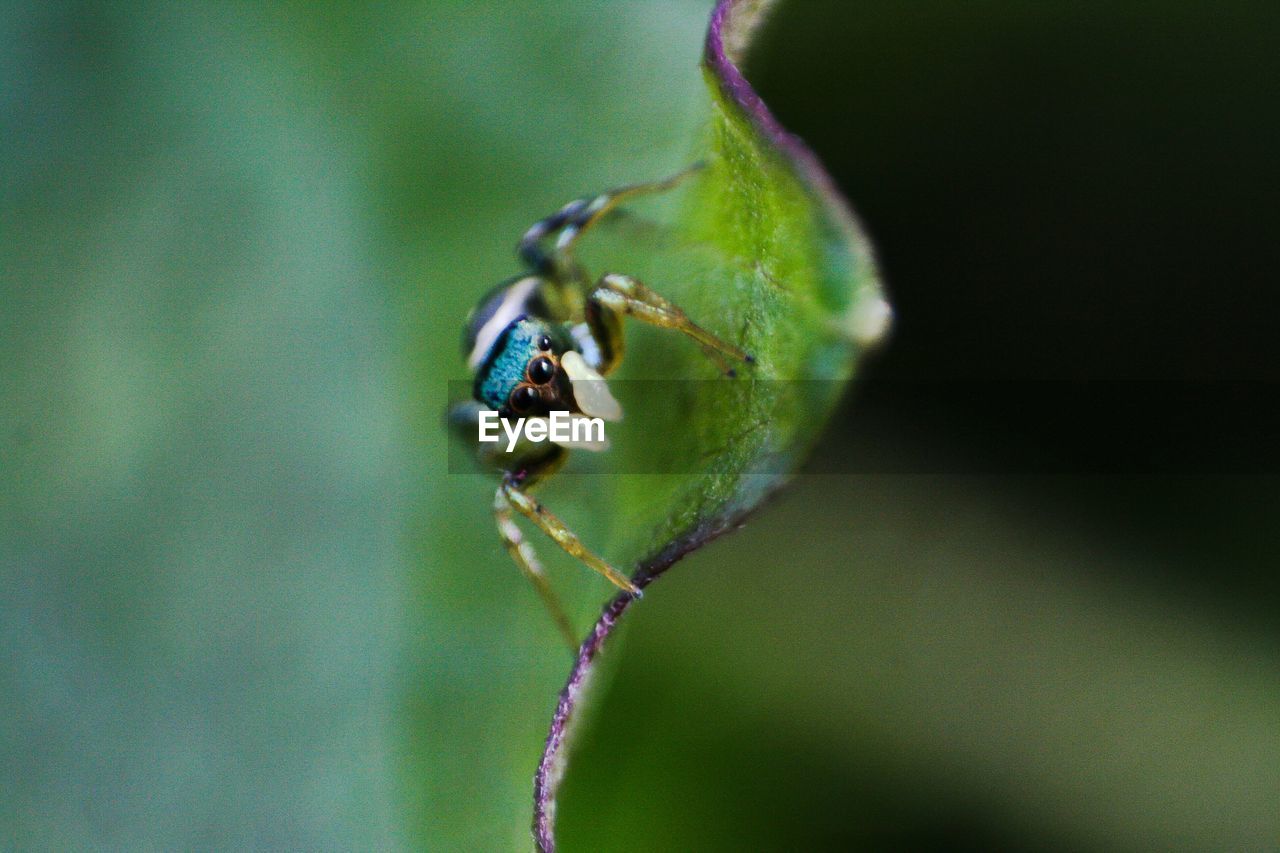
point(1075, 209)
point(1075, 206)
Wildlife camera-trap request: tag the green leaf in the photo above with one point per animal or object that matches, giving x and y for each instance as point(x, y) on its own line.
point(786, 273)
point(771, 252)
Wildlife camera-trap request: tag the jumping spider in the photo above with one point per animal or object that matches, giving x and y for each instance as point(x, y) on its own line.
point(544, 341)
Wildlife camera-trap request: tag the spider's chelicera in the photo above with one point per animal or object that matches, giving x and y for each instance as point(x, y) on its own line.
point(542, 343)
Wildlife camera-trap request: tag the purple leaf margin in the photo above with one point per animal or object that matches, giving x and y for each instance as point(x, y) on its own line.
point(732, 23)
point(551, 769)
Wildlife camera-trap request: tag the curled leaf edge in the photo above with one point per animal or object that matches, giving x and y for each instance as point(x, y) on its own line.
point(732, 22)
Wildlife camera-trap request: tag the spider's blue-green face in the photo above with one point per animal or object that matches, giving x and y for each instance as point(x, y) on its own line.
point(526, 363)
point(514, 349)
point(521, 372)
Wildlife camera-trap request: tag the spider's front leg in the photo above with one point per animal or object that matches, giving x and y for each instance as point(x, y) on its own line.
point(512, 495)
point(626, 295)
point(523, 555)
point(464, 418)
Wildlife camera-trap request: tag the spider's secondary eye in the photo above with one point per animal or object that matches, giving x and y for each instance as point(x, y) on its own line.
point(544, 343)
point(541, 370)
point(524, 398)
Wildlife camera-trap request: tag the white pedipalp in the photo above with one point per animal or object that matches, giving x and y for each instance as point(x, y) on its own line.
point(590, 389)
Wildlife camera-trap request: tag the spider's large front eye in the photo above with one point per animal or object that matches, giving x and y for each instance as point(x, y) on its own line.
point(524, 398)
point(541, 370)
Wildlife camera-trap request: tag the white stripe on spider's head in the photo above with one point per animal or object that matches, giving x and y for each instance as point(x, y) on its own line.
point(513, 305)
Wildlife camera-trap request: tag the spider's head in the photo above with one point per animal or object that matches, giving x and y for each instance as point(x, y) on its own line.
point(521, 374)
point(527, 365)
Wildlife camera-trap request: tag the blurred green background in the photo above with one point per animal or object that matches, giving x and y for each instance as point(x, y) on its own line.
point(243, 605)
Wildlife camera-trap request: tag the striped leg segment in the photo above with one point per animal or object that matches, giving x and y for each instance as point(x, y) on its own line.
point(576, 218)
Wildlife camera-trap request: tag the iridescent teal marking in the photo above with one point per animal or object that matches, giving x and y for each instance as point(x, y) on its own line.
point(510, 357)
